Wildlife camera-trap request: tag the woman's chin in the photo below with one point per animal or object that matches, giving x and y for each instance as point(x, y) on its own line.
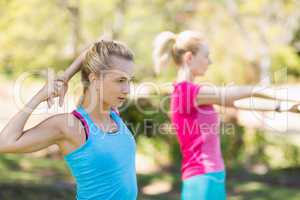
point(201, 73)
point(119, 103)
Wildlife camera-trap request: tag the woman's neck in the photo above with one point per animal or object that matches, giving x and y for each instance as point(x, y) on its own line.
point(184, 74)
point(95, 107)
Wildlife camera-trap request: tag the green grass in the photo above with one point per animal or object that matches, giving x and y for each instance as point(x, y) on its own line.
point(261, 191)
point(27, 178)
point(20, 168)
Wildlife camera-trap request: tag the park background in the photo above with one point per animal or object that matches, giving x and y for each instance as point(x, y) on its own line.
point(252, 42)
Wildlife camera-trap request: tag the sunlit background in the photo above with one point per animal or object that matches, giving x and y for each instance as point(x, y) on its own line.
point(251, 42)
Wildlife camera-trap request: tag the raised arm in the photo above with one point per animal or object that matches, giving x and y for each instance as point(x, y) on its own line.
point(14, 139)
point(73, 68)
point(65, 77)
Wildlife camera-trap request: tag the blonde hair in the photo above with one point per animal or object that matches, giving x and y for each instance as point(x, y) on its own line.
point(98, 58)
point(169, 46)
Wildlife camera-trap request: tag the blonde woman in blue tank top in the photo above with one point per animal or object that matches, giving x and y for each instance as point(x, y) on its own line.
point(96, 144)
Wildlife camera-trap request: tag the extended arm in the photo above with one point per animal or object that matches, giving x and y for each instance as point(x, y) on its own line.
point(226, 96)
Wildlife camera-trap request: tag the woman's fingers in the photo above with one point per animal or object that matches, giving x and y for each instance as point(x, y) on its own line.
point(59, 90)
point(52, 94)
point(61, 99)
point(48, 103)
point(62, 89)
point(56, 88)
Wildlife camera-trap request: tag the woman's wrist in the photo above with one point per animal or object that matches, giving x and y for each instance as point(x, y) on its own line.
point(278, 107)
point(64, 78)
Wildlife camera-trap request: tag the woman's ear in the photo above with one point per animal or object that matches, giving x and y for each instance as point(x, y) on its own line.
point(187, 57)
point(92, 77)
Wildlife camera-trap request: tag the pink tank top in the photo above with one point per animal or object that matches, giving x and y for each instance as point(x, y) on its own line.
point(197, 130)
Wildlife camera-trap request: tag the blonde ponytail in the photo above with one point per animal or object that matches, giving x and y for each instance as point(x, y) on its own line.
point(162, 53)
point(170, 46)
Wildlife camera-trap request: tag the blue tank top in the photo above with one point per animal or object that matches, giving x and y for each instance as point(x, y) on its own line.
point(104, 167)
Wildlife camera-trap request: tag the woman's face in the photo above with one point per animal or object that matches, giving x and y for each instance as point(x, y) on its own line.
point(114, 85)
point(200, 61)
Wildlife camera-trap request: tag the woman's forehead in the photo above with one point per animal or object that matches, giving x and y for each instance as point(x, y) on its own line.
point(204, 48)
point(119, 73)
point(122, 64)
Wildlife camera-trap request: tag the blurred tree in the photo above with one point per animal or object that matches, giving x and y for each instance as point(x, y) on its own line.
point(249, 40)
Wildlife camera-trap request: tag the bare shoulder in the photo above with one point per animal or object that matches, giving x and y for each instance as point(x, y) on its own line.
point(66, 122)
point(73, 131)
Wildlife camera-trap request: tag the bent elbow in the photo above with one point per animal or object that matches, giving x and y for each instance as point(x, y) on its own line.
point(7, 145)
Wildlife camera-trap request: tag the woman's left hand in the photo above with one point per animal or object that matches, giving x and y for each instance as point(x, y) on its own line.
point(61, 88)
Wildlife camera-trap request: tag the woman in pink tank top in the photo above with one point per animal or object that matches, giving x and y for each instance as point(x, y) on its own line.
point(193, 115)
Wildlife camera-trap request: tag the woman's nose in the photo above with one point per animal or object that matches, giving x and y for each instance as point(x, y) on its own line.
point(209, 61)
point(126, 88)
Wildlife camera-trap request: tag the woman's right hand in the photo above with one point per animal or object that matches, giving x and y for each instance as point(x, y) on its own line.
point(295, 108)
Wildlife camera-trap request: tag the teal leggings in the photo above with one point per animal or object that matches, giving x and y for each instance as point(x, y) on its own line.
point(210, 186)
